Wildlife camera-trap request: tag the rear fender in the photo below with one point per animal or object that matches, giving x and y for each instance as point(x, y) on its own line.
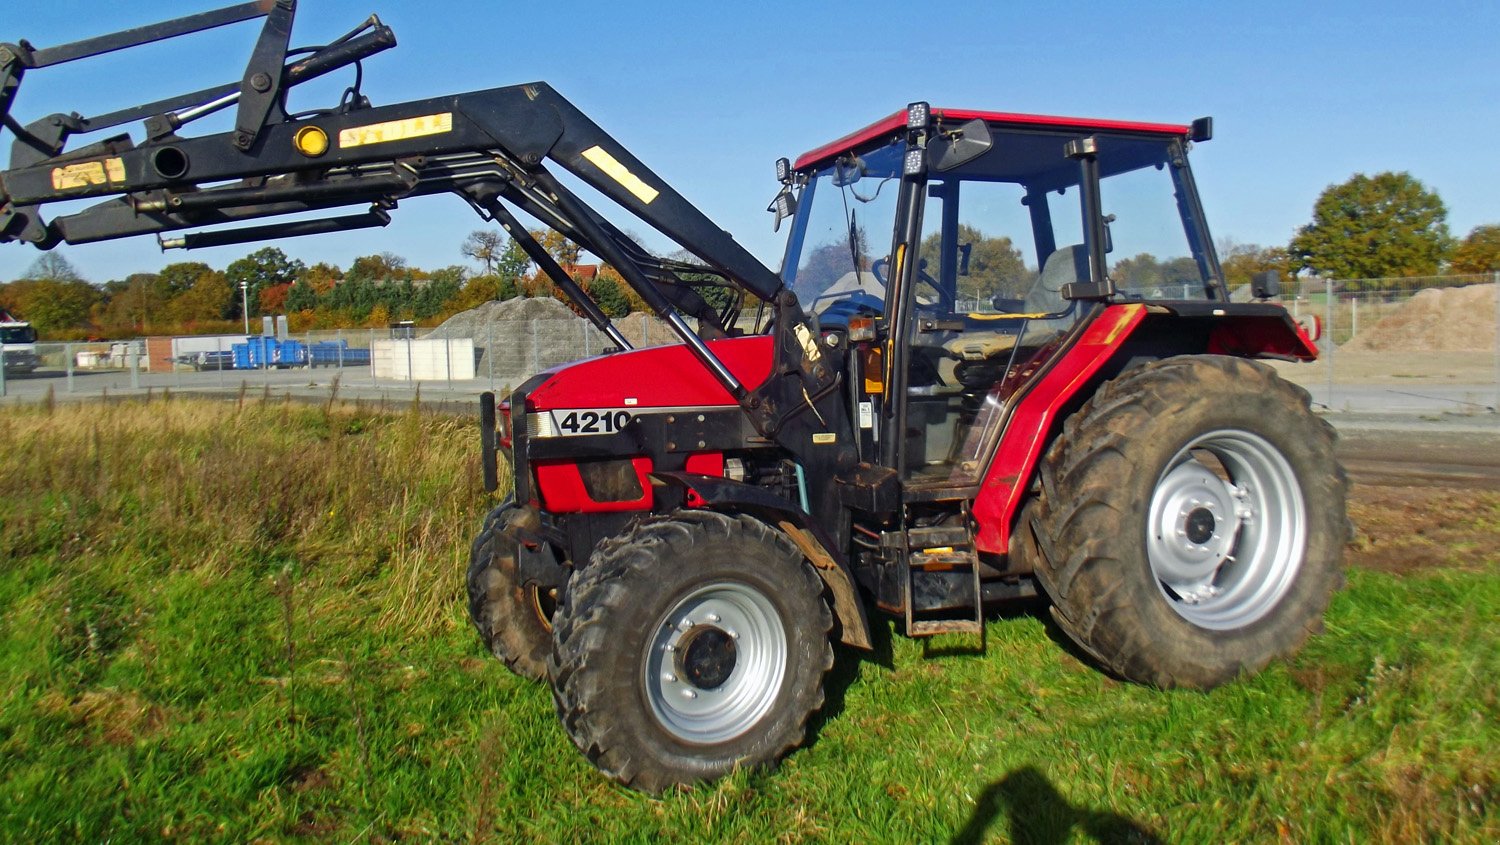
point(1031, 421)
point(1118, 335)
point(727, 496)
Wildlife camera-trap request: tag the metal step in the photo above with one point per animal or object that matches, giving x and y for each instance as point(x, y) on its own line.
point(931, 627)
point(943, 549)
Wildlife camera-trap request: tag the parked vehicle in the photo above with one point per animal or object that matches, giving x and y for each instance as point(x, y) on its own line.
point(914, 428)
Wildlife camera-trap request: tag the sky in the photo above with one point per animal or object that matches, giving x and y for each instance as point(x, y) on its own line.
point(1303, 94)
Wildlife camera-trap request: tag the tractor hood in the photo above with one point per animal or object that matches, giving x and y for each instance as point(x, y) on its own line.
point(655, 377)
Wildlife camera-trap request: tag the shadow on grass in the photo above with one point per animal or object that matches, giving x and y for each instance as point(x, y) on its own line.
point(1039, 814)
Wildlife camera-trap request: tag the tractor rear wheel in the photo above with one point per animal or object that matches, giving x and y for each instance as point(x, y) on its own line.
point(690, 646)
point(1192, 521)
point(514, 621)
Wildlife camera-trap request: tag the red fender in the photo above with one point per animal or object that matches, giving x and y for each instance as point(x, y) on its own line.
point(1025, 434)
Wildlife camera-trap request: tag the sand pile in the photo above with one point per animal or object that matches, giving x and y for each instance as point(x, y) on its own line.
point(1435, 320)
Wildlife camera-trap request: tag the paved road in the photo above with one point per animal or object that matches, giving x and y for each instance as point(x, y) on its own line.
point(1419, 437)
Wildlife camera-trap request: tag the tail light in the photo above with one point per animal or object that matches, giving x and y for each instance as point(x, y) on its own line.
point(504, 408)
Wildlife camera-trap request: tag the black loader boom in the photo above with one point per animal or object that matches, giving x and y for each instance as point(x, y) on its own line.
point(490, 147)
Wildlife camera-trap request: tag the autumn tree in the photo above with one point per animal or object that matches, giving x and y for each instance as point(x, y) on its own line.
point(1373, 227)
point(1241, 262)
point(209, 297)
point(259, 270)
point(1479, 252)
point(51, 295)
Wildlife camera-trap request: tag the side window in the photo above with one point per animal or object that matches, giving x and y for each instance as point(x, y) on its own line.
point(994, 231)
point(1151, 257)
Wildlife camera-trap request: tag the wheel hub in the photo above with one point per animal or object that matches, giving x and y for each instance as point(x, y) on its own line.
point(1200, 526)
point(1226, 529)
point(716, 663)
point(706, 657)
point(1193, 533)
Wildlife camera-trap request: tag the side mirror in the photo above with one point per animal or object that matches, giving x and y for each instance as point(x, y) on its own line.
point(948, 150)
point(1266, 284)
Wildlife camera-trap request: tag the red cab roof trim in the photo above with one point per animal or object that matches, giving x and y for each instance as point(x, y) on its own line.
point(896, 121)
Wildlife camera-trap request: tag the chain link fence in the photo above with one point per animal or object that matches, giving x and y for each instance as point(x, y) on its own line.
point(1429, 344)
point(387, 363)
point(1387, 345)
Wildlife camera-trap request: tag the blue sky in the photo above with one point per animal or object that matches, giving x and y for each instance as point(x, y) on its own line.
point(1303, 94)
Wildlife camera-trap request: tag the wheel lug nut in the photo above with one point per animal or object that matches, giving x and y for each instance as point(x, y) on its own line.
point(713, 617)
point(733, 634)
point(669, 647)
point(685, 624)
point(687, 693)
point(669, 678)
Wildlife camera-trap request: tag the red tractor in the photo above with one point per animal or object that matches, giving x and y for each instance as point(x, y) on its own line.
point(999, 361)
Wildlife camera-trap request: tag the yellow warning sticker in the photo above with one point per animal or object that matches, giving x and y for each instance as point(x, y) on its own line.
point(86, 174)
point(612, 168)
point(396, 130)
point(823, 438)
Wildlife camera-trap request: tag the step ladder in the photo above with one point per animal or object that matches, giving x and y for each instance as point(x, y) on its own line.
point(942, 549)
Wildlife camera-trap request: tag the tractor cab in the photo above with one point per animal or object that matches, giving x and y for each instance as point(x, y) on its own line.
point(957, 269)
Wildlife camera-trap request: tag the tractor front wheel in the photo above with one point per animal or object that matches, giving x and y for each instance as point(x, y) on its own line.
point(691, 646)
point(1192, 521)
point(513, 620)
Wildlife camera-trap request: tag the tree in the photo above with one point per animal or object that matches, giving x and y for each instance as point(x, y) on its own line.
point(484, 246)
point(133, 302)
point(610, 297)
point(1479, 252)
point(273, 298)
point(301, 296)
point(209, 298)
point(176, 279)
point(54, 267)
point(562, 250)
point(1372, 227)
point(321, 277)
point(52, 305)
point(1242, 261)
point(260, 270)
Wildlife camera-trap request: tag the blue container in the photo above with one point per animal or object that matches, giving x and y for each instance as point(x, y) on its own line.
point(242, 356)
point(290, 353)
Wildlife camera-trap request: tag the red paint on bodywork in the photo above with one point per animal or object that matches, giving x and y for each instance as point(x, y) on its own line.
point(657, 377)
point(562, 490)
point(1025, 433)
point(705, 463)
point(1251, 337)
point(897, 122)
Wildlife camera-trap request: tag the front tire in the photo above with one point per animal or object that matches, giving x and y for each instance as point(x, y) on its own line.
point(691, 646)
point(1192, 521)
point(513, 620)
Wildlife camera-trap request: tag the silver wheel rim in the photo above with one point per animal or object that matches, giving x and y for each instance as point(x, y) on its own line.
point(1226, 530)
point(725, 701)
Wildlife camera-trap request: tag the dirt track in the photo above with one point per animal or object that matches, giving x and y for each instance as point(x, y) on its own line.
point(1423, 499)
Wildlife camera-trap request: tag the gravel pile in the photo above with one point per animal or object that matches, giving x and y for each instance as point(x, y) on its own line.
point(519, 337)
point(1435, 320)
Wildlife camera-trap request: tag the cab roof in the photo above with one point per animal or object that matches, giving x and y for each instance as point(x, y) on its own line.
point(896, 121)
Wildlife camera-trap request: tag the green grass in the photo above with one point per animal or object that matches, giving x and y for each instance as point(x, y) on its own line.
point(246, 623)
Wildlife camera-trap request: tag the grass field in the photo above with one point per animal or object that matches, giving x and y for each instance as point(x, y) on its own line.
point(242, 622)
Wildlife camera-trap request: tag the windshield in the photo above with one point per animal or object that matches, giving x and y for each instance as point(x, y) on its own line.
point(17, 334)
point(836, 254)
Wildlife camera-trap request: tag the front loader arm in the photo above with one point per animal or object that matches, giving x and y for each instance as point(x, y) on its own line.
point(490, 147)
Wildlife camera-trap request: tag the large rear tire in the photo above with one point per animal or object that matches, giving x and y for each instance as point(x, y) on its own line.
point(1192, 521)
point(690, 646)
point(513, 621)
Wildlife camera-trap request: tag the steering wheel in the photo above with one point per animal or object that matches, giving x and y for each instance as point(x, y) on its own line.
point(879, 266)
